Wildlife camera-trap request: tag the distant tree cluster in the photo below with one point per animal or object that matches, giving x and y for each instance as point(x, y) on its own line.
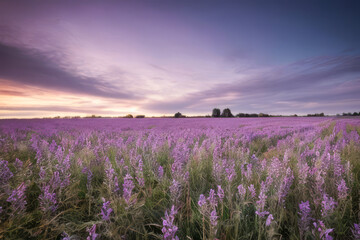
point(351, 114)
point(179, 115)
point(227, 113)
point(140, 116)
point(93, 116)
point(316, 115)
point(252, 115)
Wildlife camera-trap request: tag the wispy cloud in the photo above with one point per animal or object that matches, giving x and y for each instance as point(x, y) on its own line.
point(31, 67)
point(320, 80)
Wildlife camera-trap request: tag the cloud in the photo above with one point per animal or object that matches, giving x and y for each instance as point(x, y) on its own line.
point(319, 80)
point(54, 110)
point(46, 70)
point(12, 93)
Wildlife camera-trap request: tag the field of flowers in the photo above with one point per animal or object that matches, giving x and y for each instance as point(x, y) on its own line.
point(262, 178)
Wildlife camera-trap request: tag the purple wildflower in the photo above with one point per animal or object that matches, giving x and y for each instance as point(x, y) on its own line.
point(65, 163)
point(161, 172)
point(169, 229)
point(261, 202)
point(47, 200)
point(212, 199)
point(55, 181)
point(5, 173)
point(342, 189)
point(52, 146)
point(92, 233)
point(139, 174)
point(285, 185)
point(220, 193)
point(356, 231)
point(328, 205)
point(65, 236)
point(116, 185)
point(18, 199)
point(59, 154)
point(202, 200)
point(266, 185)
point(262, 214)
point(269, 219)
point(321, 231)
point(18, 164)
point(128, 186)
point(110, 172)
point(213, 218)
point(89, 174)
point(230, 170)
point(106, 210)
point(305, 218)
point(38, 156)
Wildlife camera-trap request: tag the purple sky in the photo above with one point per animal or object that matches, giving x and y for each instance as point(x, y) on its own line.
point(151, 57)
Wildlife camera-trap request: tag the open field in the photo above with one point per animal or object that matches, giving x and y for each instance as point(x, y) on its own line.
point(277, 178)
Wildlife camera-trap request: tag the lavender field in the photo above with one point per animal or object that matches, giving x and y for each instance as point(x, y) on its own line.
point(264, 178)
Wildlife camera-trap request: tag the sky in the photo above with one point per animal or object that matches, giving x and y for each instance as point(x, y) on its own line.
point(158, 57)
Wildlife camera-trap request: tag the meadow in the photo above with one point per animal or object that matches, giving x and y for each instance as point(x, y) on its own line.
point(206, 178)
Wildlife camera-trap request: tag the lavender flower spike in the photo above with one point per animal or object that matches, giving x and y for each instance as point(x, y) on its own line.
point(92, 233)
point(269, 219)
point(202, 200)
point(128, 186)
point(305, 217)
point(106, 210)
point(17, 199)
point(48, 200)
point(169, 229)
point(213, 218)
point(5, 173)
point(356, 231)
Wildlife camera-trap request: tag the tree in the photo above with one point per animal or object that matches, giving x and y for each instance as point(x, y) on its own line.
point(178, 115)
point(227, 113)
point(129, 116)
point(216, 112)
